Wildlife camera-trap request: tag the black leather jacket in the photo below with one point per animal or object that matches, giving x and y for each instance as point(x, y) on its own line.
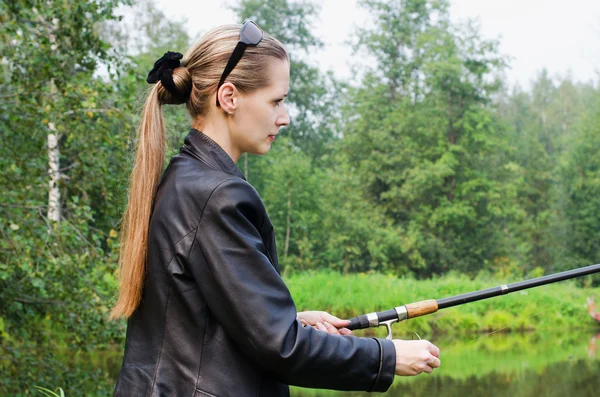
point(216, 319)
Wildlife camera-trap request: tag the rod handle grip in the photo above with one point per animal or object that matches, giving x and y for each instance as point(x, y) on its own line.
point(360, 322)
point(421, 308)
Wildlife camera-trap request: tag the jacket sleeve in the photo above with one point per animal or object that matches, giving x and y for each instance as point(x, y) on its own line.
point(250, 300)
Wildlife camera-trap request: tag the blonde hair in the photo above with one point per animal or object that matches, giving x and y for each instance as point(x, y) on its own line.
point(196, 81)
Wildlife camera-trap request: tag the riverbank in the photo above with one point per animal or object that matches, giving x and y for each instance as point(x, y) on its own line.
point(559, 305)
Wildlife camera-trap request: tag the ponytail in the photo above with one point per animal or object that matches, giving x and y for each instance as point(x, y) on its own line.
point(147, 168)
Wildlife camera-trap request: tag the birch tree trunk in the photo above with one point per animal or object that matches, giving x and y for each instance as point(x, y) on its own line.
point(54, 172)
point(54, 212)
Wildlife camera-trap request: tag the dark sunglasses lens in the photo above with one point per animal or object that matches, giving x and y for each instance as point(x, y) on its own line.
point(251, 34)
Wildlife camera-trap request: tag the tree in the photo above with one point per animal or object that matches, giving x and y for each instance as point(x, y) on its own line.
point(422, 137)
point(577, 197)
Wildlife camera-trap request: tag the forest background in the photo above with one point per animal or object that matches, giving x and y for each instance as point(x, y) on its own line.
point(433, 171)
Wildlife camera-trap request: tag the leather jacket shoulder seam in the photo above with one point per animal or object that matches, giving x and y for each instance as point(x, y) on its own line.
point(173, 249)
point(195, 230)
point(208, 199)
point(210, 195)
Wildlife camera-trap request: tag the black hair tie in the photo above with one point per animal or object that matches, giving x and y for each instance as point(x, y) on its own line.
point(163, 71)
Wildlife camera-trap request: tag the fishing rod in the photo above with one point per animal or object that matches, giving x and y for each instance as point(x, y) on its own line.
point(388, 317)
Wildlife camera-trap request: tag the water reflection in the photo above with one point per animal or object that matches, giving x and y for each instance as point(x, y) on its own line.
point(534, 364)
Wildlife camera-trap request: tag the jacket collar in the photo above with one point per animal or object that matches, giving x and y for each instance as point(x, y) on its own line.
point(202, 147)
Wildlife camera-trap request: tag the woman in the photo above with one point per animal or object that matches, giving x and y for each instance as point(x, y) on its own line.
point(209, 314)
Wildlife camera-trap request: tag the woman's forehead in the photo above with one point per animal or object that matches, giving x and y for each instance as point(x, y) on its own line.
point(279, 72)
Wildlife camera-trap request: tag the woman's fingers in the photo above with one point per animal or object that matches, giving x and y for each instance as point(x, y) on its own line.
point(433, 349)
point(415, 357)
point(328, 323)
point(331, 329)
point(428, 366)
point(345, 331)
point(333, 320)
point(313, 317)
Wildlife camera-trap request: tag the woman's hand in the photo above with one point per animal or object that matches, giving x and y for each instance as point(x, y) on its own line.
point(415, 356)
point(324, 321)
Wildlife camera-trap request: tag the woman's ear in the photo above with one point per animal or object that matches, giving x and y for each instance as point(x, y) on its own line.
point(228, 97)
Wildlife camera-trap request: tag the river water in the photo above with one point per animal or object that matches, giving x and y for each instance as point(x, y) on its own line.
point(536, 364)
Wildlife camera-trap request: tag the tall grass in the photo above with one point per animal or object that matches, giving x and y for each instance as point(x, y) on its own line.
point(555, 306)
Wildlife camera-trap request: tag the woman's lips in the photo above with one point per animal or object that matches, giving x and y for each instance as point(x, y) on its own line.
point(272, 137)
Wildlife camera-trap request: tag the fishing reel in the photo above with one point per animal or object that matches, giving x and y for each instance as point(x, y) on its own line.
point(395, 315)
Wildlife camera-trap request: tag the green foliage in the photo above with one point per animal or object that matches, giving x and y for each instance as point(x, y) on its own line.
point(49, 270)
point(580, 177)
point(423, 141)
point(56, 280)
point(90, 374)
point(292, 194)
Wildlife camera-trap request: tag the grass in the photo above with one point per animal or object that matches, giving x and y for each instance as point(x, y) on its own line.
point(50, 393)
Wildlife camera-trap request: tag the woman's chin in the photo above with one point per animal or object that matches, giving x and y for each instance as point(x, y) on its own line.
point(263, 149)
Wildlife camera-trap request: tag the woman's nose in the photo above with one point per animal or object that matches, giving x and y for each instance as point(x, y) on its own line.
point(283, 119)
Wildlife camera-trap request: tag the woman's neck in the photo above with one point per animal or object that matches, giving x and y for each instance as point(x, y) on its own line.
point(218, 131)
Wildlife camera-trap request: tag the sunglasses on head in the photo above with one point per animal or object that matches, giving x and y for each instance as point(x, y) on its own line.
point(250, 34)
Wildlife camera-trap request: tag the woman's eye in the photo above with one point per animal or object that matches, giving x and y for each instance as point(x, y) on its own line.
point(278, 101)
